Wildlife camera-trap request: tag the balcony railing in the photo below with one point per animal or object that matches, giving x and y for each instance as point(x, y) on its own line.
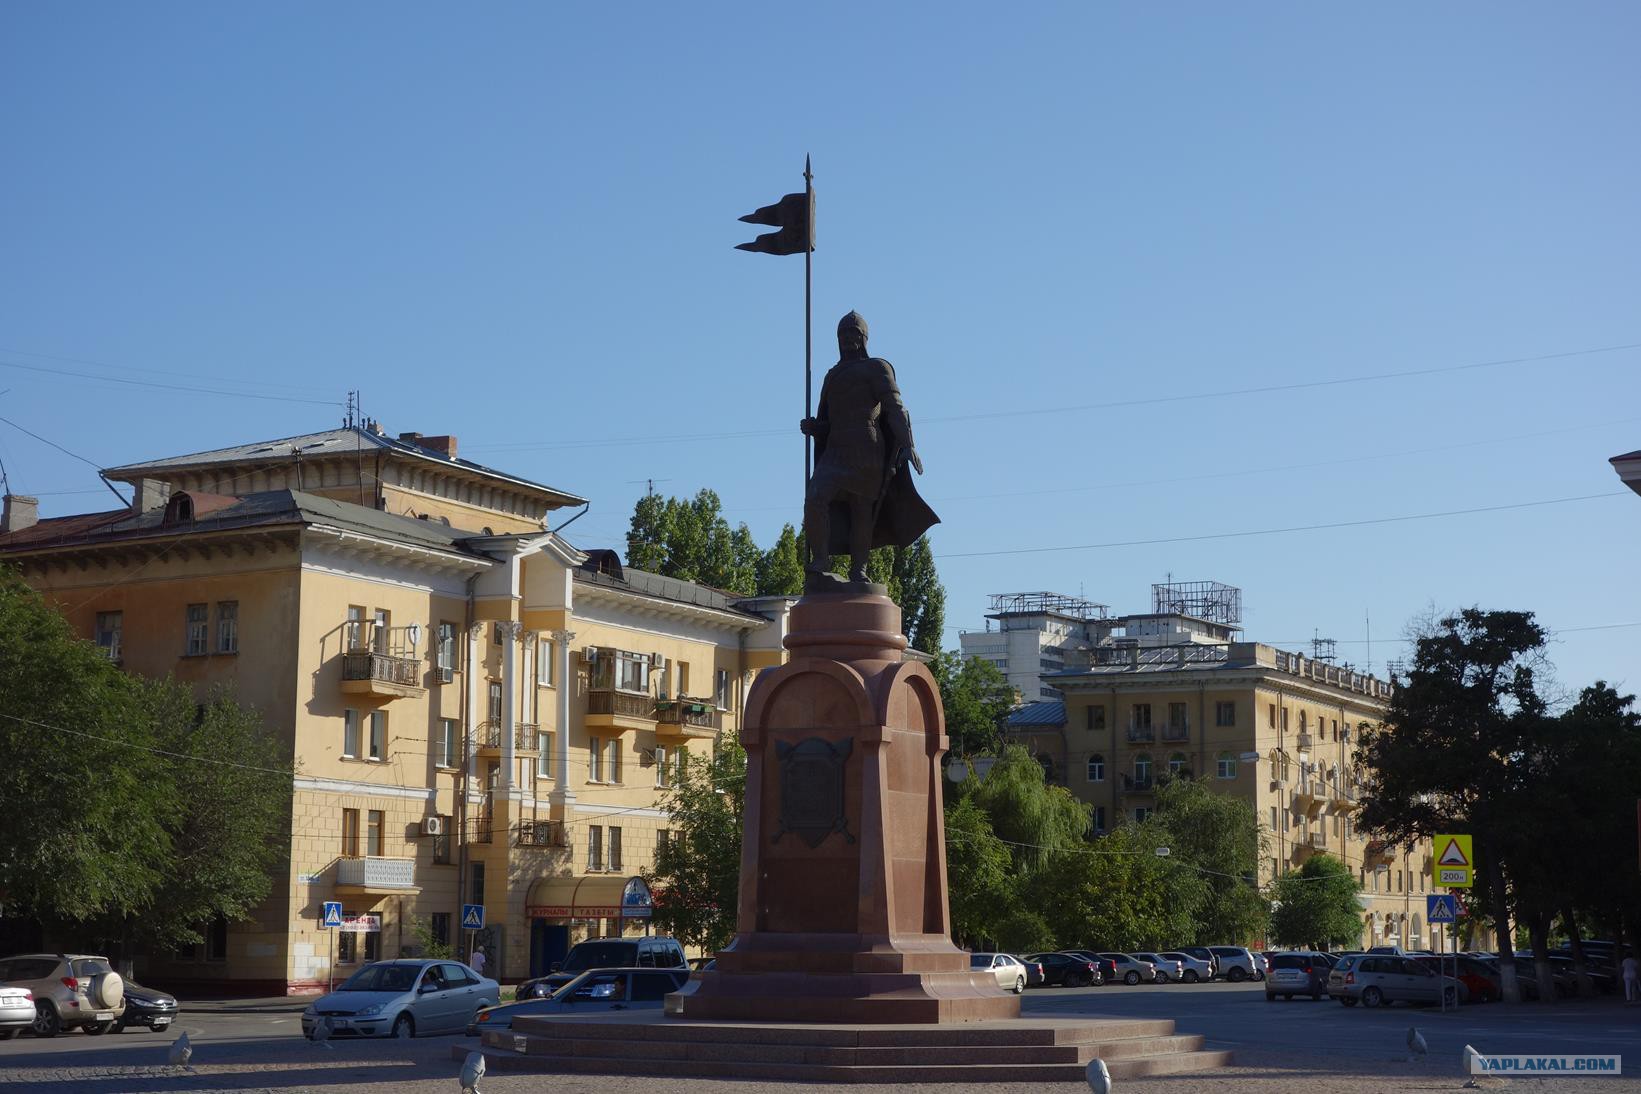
point(686, 711)
point(1141, 733)
point(1137, 784)
point(1306, 741)
point(1176, 733)
point(492, 734)
point(1317, 839)
point(382, 667)
point(541, 834)
point(373, 872)
point(627, 704)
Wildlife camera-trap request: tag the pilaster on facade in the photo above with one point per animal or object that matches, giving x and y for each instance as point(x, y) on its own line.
point(562, 795)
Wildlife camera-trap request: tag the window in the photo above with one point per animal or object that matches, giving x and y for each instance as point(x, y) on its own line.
point(1224, 714)
point(595, 760)
point(1336, 729)
point(444, 652)
point(350, 734)
point(595, 848)
point(661, 766)
point(373, 946)
point(544, 755)
point(439, 927)
point(475, 890)
point(1271, 713)
point(216, 939)
point(614, 765)
point(447, 742)
point(663, 837)
point(1099, 818)
point(109, 626)
point(494, 702)
point(378, 631)
point(1096, 717)
point(1178, 719)
point(353, 632)
point(1142, 767)
point(683, 678)
point(1140, 718)
point(1284, 718)
point(1273, 820)
point(373, 832)
point(1096, 768)
point(350, 833)
point(720, 690)
point(622, 670)
point(441, 842)
point(1176, 763)
point(1225, 766)
point(1141, 813)
point(544, 662)
point(198, 626)
point(615, 848)
point(1302, 724)
point(378, 734)
point(227, 626)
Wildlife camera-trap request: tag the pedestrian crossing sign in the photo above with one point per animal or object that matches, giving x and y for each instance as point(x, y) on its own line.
point(331, 915)
point(472, 917)
point(1455, 861)
point(1441, 908)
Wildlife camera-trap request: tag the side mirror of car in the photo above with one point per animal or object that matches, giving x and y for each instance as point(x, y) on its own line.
point(426, 987)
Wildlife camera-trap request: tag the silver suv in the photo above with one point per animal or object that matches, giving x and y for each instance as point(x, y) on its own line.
point(70, 990)
point(1238, 963)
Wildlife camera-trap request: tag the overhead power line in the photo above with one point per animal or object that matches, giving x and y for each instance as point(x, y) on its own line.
point(1282, 531)
point(192, 389)
point(215, 379)
point(66, 452)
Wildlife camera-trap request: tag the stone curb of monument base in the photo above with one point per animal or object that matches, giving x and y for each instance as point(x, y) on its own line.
point(275, 1004)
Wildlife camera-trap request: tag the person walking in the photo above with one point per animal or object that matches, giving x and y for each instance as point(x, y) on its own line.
point(476, 960)
point(1632, 974)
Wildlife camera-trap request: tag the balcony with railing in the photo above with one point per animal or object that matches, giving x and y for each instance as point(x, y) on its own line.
point(541, 833)
point(1138, 784)
point(1378, 851)
point(1176, 731)
point(373, 875)
point(618, 709)
point(1306, 742)
point(686, 718)
point(381, 661)
point(1138, 733)
point(493, 734)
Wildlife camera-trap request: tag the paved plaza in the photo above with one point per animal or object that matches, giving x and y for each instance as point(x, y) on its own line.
point(1302, 1047)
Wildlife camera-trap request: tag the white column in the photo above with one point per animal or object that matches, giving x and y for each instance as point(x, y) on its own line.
point(476, 694)
point(509, 712)
point(562, 795)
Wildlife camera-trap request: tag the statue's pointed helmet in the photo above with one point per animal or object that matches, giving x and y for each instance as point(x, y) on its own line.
point(854, 321)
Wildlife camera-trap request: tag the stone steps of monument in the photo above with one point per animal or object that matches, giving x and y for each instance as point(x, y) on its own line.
point(1129, 1067)
point(981, 1052)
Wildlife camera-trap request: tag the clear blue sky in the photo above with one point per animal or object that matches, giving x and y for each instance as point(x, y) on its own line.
point(513, 222)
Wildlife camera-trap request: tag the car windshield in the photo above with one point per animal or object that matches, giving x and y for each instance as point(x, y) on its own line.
point(601, 955)
point(87, 967)
point(382, 978)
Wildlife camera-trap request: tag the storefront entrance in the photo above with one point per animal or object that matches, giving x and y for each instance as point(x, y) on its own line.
point(554, 905)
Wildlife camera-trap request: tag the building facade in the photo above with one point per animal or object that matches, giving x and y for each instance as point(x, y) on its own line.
point(476, 712)
point(1276, 729)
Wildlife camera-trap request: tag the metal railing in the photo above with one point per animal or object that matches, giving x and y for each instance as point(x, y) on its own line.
point(491, 735)
point(1137, 784)
point(370, 665)
point(1141, 733)
point(687, 711)
point(630, 704)
point(1176, 733)
point(541, 834)
point(374, 872)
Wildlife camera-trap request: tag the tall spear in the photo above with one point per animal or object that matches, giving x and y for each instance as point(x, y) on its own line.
point(794, 217)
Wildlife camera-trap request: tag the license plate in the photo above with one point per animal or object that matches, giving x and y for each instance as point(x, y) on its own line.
point(161, 1023)
point(105, 1016)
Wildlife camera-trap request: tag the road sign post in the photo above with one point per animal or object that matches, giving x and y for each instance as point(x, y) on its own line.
point(330, 920)
point(472, 920)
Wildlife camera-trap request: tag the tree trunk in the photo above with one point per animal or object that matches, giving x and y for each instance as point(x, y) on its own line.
point(1509, 988)
point(1581, 969)
point(1538, 933)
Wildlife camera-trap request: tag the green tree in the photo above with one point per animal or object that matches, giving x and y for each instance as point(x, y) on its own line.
point(690, 540)
point(1220, 835)
point(915, 585)
point(1033, 818)
point(1449, 755)
point(697, 872)
point(976, 697)
point(427, 945)
point(1115, 893)
point(980, 881)
point(1316, 905)
point(780, 569)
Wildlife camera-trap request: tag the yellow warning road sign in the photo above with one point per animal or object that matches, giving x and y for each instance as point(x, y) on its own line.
point(1455, 862)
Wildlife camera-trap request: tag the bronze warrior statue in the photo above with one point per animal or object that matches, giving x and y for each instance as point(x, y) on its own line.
point(861, 495)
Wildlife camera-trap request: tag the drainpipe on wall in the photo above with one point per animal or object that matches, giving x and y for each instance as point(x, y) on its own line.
point(461, 768)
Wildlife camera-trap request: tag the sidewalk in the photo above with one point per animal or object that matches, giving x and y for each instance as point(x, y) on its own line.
point(273, 1004)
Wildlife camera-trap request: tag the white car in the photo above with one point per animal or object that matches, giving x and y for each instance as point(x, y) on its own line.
point(403, 999)
point(1191, 968)
point(16, 1011)
point(1011, 975)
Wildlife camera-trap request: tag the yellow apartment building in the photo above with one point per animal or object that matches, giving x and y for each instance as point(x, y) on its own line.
point(1274, 728)
point(476, 711)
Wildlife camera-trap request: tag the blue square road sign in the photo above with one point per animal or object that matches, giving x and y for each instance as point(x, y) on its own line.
point(1441, 908)
point(331, 916)
point(472, 917)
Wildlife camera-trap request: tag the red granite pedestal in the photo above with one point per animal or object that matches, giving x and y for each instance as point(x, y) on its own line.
point(843, 915)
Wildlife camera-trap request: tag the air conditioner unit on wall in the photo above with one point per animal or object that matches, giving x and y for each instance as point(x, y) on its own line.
point(432, 826)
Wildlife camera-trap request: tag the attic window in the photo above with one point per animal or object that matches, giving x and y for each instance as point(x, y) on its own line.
point(179, 509)
point(318, 444)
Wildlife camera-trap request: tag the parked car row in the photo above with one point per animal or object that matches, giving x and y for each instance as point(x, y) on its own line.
point(1082, 968)
point(50, 993)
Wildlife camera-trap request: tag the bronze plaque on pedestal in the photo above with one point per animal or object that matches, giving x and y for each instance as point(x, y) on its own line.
point(812, 789)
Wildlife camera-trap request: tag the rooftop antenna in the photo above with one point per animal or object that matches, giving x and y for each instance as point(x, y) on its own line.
point(649, 485)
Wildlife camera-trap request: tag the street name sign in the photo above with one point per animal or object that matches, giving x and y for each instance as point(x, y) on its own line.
point(1455, 861)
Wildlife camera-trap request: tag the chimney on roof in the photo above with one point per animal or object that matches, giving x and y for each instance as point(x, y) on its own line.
point(20, 512)
point(149, 494)
point(444, 446)
point(413, 438)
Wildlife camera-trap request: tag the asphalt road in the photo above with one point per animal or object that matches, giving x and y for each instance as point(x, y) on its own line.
point(1299, 1046)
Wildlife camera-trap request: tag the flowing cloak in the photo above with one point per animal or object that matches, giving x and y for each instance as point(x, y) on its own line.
point(901, 513)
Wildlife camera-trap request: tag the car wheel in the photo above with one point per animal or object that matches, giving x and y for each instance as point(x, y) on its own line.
point(96, 1029)
point(1019, 985)
point(1162, 978)
point(404, 1027)
point(47, 1023)
point(1372, 997)
point(1450, 996)
point(1131, 977)
point(1191, 976)
point(1236, 975)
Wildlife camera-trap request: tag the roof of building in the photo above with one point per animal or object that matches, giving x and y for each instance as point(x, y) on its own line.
point(1045, 714)
point(626, 579)
point(343, 439)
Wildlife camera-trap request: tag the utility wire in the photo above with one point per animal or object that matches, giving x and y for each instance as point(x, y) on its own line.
point(74, 455)
point(169, 387)
point(1281, 531)
point(159, 371)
